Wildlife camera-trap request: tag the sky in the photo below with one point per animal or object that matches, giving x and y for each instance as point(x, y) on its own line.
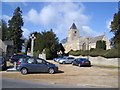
point(91, 18)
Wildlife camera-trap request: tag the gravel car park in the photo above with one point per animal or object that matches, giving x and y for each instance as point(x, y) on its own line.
point(71, 75)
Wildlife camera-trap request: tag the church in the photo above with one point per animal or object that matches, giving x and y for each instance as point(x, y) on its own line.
point(74, 41)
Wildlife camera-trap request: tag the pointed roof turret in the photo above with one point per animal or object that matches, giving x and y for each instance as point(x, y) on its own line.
point(73, 26)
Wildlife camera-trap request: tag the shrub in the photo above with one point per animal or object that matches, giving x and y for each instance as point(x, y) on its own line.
point(74, 53)
point(36, 53)
point(97, 52)
point(112, 53)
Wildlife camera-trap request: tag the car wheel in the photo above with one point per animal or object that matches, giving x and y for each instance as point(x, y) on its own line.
point(79, 65)
point(51, 70)
point(72, 63)
point(24, 71)
point(63, 62)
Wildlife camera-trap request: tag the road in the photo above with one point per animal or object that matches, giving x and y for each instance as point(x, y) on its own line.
point(14, 83)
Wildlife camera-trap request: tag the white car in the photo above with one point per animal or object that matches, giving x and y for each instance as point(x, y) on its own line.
point(66, 60)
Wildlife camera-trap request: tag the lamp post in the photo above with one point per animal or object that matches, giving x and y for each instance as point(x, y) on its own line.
point(32, 43)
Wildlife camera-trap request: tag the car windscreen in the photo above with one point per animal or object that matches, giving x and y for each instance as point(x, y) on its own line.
point(83, 59)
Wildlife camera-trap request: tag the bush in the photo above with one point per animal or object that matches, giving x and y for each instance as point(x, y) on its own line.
point(74, 53)
point(97, 52)
point(50, 54)
point(112, 53)
point(36, 53)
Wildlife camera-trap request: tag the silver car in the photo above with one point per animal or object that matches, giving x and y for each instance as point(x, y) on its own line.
point(66, 60)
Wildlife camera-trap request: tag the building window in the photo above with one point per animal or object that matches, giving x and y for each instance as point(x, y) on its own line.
point(75, 32)
point(84, 46)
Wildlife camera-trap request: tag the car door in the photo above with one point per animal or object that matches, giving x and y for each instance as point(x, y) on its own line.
point(70, 59)
point(75, 61)
point(41, 65)
point(31, 65)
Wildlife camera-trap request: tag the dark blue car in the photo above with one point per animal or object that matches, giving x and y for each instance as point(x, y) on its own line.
point(3, 65)
point(81, 62)
point(31, 64)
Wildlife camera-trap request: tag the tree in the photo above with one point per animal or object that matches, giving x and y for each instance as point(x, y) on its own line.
point(115, 29)
point(62, 49)
point(46, 40)
point(5, 32)
point(15, 25)
point(101, 44)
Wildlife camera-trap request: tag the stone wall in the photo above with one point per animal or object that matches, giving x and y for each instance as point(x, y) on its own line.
point(101, 61)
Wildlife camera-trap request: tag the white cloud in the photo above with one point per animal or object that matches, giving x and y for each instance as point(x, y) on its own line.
point(60, 17)
point(108, 23)
point(87, 31)
point(6, 17)
point(26, 33)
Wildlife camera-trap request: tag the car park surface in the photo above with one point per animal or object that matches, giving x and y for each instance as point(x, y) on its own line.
point(72, 75)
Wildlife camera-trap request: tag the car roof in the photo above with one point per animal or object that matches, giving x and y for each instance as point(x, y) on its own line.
point(82, 58)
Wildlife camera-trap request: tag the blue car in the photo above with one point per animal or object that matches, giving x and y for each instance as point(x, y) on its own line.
point(26, 65)
point(81, 62)
point(3, 65)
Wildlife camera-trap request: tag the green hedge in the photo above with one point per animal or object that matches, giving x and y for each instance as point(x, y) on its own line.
point(111, 53)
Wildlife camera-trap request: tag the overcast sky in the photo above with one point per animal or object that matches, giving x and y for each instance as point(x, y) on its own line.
point(91, 18)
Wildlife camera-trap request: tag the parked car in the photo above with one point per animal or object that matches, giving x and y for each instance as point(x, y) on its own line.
point(65, 60)
point(81, 62)
point(26, 65)
point(16, 57)
point(2, 64)
point(59, 58)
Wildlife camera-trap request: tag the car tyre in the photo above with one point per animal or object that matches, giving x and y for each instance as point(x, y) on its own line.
point(79, 65)
point(72, 63)
point(51, 70)
point(63, 62)
point(24, 71)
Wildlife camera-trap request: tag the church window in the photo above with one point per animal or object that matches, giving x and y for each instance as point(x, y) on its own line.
point(75, 32)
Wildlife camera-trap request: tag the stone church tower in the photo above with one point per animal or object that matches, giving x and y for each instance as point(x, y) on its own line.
point(72, 39)
point(75, 42)
point(73, 33)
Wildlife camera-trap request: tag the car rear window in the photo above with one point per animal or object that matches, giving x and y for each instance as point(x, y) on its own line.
point(84, 59)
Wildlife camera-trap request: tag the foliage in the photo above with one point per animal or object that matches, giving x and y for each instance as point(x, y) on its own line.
point(111, 53)
point(14, 26)
point(101, 44)
point(48, 41)
point(115, 29)
point(5, 32)
point(79, 52)
point(62, 48)
point(97, 52)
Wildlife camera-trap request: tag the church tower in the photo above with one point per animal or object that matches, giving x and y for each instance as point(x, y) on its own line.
point(73, 33)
